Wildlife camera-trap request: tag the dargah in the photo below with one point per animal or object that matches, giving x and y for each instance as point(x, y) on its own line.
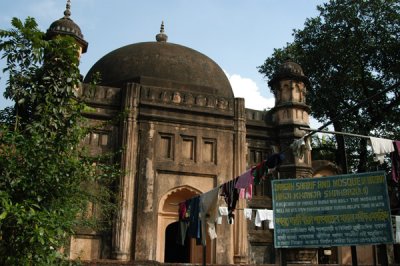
point(197, 165)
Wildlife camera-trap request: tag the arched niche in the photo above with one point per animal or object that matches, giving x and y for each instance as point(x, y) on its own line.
point(168, 213)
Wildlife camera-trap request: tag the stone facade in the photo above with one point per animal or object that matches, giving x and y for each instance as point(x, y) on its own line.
point(178, 143)
point(172, 113)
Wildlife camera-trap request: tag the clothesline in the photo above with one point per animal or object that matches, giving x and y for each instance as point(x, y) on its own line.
point(333, 132)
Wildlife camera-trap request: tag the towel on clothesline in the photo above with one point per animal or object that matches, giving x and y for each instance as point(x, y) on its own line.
point(248, 213)
point(380, 147)
point(271, 224)
point(209, 207)
point(222, 211)
point(261, 215)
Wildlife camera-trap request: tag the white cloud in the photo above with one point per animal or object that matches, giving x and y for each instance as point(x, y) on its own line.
point(246, 88)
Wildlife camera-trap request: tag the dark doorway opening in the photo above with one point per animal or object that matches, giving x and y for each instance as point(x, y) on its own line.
point(174, 252)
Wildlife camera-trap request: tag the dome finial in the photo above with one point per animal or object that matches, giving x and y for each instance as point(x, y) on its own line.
point(162, 37)
point(162, 27)
point(67, 12)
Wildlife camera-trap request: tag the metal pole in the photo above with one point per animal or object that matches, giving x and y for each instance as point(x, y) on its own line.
point(343, 161)
point(354, 255)
point(282, 253)
point(204, 255)
point(383, 255)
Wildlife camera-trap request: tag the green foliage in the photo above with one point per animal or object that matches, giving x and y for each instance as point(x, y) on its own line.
point(46, 181)
point(350, 52)
point(324, 148)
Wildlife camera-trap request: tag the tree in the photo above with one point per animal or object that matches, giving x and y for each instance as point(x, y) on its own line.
point(45, 177)
point(350, 52)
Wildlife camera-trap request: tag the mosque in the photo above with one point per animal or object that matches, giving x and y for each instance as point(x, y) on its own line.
point(183, 134)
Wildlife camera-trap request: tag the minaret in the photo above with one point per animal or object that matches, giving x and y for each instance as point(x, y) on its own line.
point(290, 113)
point(66, 26)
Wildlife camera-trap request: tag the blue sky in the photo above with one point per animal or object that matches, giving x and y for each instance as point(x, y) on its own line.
point(237, 34)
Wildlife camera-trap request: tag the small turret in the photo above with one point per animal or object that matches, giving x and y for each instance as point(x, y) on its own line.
point(290, 113)
point(66, 26)
point(290, 85)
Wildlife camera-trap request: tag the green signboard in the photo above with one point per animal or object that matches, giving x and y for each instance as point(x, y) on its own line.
point(339, 210)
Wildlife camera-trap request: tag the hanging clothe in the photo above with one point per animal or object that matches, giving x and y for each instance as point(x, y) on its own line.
point(182, 210)
point(231, 196)
point(209, 213)
point(193, 206)
point(270, 215)
point(222, 211)
point(264, 215)
point(380, 147)
point(395, 157)
point(261, 215)
point(248, 213)
point(184, 215)
point(265, 168)
point(300, 146)
point(245, 185)
point(270, 224)
point(275, 160)
point(259, 172)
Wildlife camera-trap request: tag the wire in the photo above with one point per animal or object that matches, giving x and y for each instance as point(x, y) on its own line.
point(334, 132)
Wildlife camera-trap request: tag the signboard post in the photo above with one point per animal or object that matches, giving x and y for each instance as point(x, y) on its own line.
point(340, 210)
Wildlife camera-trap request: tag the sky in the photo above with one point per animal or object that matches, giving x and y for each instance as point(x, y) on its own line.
point(237, 34)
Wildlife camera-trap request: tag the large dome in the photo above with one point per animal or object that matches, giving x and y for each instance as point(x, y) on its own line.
point(172, 65)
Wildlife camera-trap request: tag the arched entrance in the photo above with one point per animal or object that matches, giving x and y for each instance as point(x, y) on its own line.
point(175, 252)
point(168, 250)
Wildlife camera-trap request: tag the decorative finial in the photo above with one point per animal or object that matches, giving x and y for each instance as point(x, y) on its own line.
point(67, 12)
point(162, 37)
point(162, 27)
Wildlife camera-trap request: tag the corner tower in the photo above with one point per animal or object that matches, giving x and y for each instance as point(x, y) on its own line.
point(290, 113)
point(66, 26)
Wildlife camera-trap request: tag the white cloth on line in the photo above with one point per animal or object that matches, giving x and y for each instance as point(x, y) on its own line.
point(299, 146)
point(270, 215)
point(271, 224)
point(380, 147)
point(248, 213)
point(223, 211)
point(261, 215)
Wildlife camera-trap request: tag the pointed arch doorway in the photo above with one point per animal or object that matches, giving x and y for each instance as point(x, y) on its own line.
point(168, 250)
point(174, 251)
